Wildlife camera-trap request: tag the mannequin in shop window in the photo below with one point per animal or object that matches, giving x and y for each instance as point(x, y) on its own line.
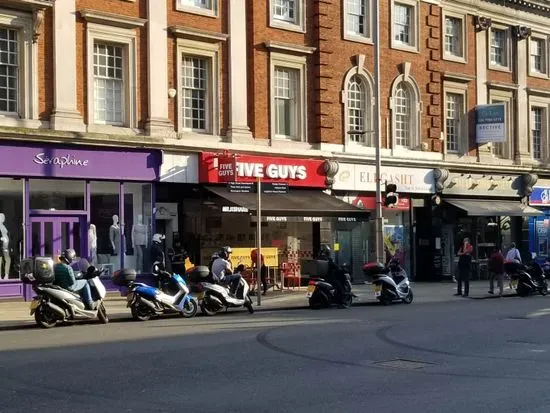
point(114, 235)
point(139, 241)
point(5, 260)
point(92, 244)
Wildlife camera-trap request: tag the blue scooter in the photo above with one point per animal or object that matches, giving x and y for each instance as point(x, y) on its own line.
point(145, 301)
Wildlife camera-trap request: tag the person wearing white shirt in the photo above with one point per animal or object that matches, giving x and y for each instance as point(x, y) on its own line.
point(513, 253)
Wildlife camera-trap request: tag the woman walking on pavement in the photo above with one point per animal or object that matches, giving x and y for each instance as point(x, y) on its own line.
point(496, 270)
point(464, 267)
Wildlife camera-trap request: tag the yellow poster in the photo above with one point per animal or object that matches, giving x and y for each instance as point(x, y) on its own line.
point(242, 256)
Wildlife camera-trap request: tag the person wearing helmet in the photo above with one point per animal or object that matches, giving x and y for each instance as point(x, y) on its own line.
point(333, 271)
point(222, 269)
point(64, 278)
point(157, 250)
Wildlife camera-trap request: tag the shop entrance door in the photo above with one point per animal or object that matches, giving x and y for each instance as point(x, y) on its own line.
point(50, 235)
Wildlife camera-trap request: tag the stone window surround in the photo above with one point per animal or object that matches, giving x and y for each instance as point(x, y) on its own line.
point(367, 38)
point(415, 32)
point(369, 89)
point(127, 38)
point(507, 96)
point(186, 8)
point(210, 51)
point(544, 38)
point(544, 103)
point(299, 26)
point(463, 146)
point(463, 17)
point(415, 127)
point(291, 62)
point(508, 51)
point(27, 115)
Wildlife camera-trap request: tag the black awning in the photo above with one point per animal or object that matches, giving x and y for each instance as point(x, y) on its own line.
point(297, 203)
point(494, 208)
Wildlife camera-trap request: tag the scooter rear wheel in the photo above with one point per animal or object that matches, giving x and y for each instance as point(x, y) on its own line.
point(44, 317)
point(102, 314)
point(140, 313)
point(318, 300)
point(207, 311)
point(544, 289)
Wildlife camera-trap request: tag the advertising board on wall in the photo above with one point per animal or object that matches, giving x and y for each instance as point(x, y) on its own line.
point(491, 123)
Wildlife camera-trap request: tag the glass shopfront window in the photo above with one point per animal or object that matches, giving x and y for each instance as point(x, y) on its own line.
point(11, 228)
point(50, 194)
point(105, 232)
point(138, 225)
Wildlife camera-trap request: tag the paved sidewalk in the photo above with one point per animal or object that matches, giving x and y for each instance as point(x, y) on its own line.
point(15, 314)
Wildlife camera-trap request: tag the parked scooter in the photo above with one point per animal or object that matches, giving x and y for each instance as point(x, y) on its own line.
point(54, 304)
point(214, 297)
point(526, 280)
point(323, 294)
point(391, 282)
point(145, 301)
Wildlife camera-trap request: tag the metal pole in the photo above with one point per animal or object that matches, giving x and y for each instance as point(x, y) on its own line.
point(259, 242)
point(377, 133)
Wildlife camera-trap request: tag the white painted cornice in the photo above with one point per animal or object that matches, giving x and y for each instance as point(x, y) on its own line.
point(289, 47)
point(181, 31)
point(112, 19)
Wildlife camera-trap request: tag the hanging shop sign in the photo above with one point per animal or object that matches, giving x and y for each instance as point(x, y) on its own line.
point(226, 169)
point(491, 123)
point(540, 196)
point(355, 177)
point(248, 168)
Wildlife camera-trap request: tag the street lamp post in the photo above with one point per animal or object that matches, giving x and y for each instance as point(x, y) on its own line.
point(377, 133)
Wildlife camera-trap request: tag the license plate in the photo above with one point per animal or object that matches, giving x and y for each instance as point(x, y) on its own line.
point(514, 283)
point(310, 289)
point(34, 305)
point(377, 290)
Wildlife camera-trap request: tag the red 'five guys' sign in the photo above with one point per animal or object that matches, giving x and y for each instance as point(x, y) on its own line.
point(215, 168)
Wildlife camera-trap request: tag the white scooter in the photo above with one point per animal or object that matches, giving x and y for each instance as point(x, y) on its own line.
point(391, 283)
point(216, 297)
point(54, 304)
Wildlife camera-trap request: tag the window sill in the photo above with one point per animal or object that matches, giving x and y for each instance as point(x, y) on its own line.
point(458, 157)
point(289, 144)
point(14, 121)
point(405, 47)
point(279, 24)
point(453, 58)
point(538, 75)
point(500, 68)
point(357, 38)
point(197, 10)
point(112, 130)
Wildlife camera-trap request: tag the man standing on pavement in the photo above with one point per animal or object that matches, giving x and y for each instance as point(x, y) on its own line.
point(464, 267)
point(263, 269)
point(496, 270)
point(513, 253)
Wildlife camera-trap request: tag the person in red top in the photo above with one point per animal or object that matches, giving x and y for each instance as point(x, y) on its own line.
point(263, 270)
point(464, 267)
point(496, 270)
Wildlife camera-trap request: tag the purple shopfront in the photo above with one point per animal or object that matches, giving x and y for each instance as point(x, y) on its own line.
point(99, 201)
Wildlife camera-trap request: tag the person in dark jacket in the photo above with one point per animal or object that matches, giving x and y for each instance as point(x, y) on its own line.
point(496, 270)
point(464, 267)
point(157, 250)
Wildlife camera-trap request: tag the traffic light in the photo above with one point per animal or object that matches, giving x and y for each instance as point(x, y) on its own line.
point(390, 195)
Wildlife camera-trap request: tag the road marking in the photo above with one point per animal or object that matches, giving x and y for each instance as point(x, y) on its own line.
point(540, 313)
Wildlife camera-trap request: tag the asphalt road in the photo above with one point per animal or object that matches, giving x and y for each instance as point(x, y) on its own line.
point(465, 356)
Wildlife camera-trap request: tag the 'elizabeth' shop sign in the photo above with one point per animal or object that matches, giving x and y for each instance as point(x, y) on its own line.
point(248, 168)
point(354, 177)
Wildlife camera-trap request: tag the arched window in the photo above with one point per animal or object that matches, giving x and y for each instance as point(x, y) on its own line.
point(357, 100)
point(406, 109)
point(356, 109)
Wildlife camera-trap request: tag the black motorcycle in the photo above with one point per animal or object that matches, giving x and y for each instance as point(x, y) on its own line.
point(329, 285)
point(526, 280)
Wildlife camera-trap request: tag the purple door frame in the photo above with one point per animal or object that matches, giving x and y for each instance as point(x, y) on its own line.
point(57, 221)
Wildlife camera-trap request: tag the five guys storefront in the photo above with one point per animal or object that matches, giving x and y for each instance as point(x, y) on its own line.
point(295, 221)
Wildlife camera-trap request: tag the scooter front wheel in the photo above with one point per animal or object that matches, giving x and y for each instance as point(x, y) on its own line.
point(190, 309)
point(44, 317)
point(408, 298)
point(102, 314)
point(544, 289)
